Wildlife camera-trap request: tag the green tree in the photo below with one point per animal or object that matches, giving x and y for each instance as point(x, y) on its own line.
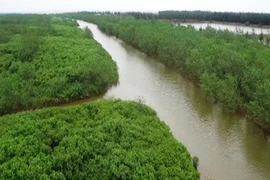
point(100, 140)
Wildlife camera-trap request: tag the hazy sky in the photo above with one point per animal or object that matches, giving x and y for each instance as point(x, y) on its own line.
point(135, 5)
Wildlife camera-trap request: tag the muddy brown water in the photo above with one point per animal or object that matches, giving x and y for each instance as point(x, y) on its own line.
point(228, 146)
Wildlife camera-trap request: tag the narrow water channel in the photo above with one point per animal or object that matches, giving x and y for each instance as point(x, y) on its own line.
point(233, 28)
point(229, 147)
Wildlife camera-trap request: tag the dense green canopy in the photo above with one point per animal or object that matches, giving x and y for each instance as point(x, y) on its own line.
point(100, 140)
point(48, 60)
point(231, 17)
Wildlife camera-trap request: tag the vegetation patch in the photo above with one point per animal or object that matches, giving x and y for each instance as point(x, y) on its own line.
point(101, 140)
point(48, 60)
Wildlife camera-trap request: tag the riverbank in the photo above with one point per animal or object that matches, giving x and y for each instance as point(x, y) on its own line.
point(235, 28)
point(207, 131)
point(227, 83)
point(57, 62)
point(47, 60)
point(217, 22)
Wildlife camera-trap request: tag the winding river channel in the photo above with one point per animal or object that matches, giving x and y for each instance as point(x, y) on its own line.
point(229, 147)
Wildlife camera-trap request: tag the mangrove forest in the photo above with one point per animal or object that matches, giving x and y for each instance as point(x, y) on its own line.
point(231, 68)
point(47, 60)
point(101, 140)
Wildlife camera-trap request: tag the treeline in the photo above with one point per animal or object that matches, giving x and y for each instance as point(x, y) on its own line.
point(48, 60)
point(231, 17)
point(186, 16)
point(231, 68)
point(100, 140)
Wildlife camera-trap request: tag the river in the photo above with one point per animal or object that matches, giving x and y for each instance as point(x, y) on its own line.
point(228, 146)
point(230, 27)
